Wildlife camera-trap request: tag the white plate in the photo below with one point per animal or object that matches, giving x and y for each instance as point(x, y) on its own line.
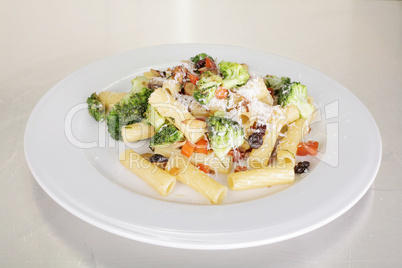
point(91, 184)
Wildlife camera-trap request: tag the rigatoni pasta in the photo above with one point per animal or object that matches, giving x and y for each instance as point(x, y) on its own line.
point(137, 132)
point(263, 177)
point(287, 147)
point(168, 107)
point(159, 179)
point(260, 157)
point(196, 179)
point(110, 98)
point(205, 118)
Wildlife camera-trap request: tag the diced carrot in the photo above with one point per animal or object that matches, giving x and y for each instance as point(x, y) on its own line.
point(204, 168)
point(187, 149)
point(209, 63)
point(174, 171)
point(305, 148)
point(236, 154)
point(221, 93)
point(201, 146)
point(193, 78)
point(240, 168)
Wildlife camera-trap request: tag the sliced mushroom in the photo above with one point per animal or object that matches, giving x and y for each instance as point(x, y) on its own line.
point(178, 74)
point(214, 71)
point(189, 88)
point(156, 73)
point(155, 83)
point(203, 69)
point(198, 111)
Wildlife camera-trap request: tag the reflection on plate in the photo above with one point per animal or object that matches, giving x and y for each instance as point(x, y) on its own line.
point(76, 163)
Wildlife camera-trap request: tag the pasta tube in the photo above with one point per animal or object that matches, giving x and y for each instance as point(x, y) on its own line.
point(110, 98)
point(197, 110)
point(260, 157)
point(288, 146)
point(291, 114)
point(168, 107)
point(250, 179)
point(192, 129)
point(267, 99)
point(306, 129)
point(166, 151)
point(171, 86)
point(255, 89)
point(156, 177)
point(136, 132)
point(235, 100)
point(196, 179)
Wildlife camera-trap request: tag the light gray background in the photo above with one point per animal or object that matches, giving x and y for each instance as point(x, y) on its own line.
point(358, 43)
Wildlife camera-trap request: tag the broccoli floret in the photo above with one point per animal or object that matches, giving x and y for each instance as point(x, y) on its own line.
point(234, 74)
point(296, 94)
point(224, 134)
point(168, 134)
point(276, 83)
point(153, 118)
point(199, 57)
point(139, 83)
point(206, 87)
point(96, 108)
point(128, 111)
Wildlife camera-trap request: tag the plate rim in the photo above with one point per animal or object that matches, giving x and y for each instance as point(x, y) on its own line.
point(180, 244)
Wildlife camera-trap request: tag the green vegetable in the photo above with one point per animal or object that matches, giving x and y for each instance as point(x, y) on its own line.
point(153, 118)
point(168, 134)
point(128, 111)
point(96, 108)
point(296, 94)
point(276, 83)
point(206, 87)
point(199, 57)
point(139, 83)
point(224, 134)
point(234, 74)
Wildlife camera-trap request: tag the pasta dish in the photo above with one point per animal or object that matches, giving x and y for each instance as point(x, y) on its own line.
point(206, 116)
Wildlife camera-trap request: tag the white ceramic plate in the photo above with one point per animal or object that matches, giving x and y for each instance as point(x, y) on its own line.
point(76, 164)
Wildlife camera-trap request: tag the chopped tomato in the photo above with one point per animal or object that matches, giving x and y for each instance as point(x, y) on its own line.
point(209, 63)
point(205, 168)
point(271, 91)
point(193, 78)
point(187, 149)
point(201, 146)
point(221, 93)
point(236, 154)
point(305, 148)
point(240, 168)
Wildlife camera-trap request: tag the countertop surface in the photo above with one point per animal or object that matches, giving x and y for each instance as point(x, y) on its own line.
point(358, 43)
